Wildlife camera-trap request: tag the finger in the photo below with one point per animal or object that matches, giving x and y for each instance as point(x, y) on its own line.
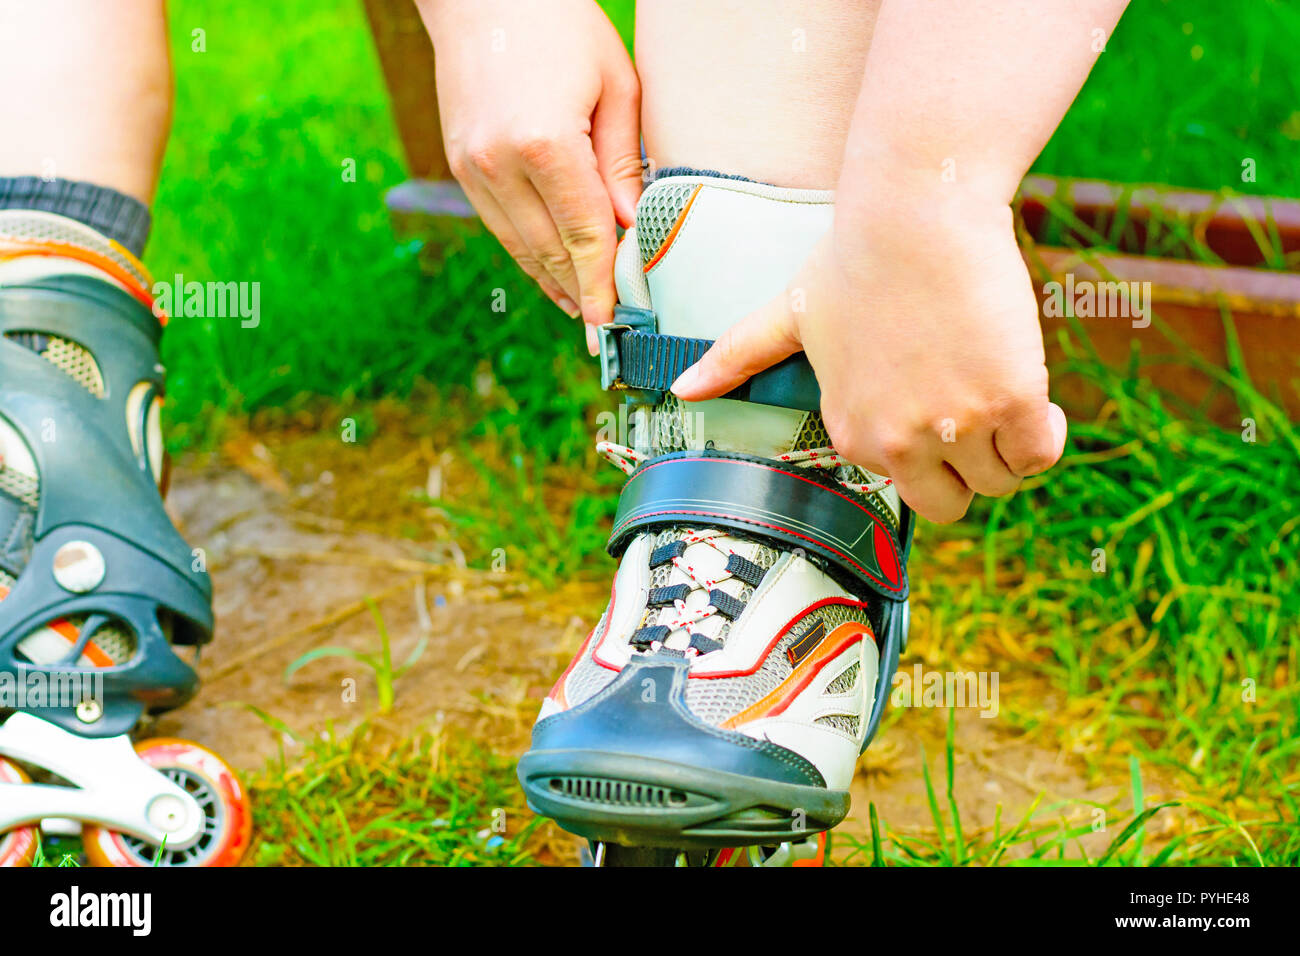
point(575, 197)
point(1060, 429)
point(499, 225)
point(616, 140)
point(975, 458)
point(932, 489)
point(1032, 438)
point(520, 200)
point(758, 341)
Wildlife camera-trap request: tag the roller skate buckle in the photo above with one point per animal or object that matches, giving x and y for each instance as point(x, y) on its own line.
point(626, 319)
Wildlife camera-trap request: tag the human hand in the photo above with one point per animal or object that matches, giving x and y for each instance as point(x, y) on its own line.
point(922, 327)
point(540, 114)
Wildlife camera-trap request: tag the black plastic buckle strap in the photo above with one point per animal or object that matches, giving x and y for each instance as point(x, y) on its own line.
point(609, 339)
point(634, 357)
point(797, 509)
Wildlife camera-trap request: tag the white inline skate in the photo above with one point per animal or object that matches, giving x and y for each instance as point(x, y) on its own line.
point(716, 713)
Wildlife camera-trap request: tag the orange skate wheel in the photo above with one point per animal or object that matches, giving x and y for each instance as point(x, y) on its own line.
point(228, 826)
point(17, 847)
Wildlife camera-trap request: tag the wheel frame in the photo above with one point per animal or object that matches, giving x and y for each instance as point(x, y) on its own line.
point(600, 853)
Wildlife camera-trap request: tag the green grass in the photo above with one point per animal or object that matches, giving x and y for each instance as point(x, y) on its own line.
point(1188, 638)
point(61, 853)
point(380, 662)
point(1187, 90)
point(1052, 835)
point(358, 800)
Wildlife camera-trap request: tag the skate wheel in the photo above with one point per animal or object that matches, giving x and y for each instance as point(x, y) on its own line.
point(17, 847)
point(210, 780)
point(819, 857)
point(808, 852)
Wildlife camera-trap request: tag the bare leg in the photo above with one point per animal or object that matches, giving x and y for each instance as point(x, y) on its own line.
point(87, 91)
point(762, 89)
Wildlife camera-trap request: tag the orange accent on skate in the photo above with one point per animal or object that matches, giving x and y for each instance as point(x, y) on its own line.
point(819, 859)
point(672, 233)
point(780, 698)
point(16, 248)
point(64, 629)
point(776, 639)
point(557, 692)
point(17, 847)
point(68, 631)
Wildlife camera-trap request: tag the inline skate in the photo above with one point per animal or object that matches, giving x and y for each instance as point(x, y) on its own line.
point(717, 711)
point(98, 592)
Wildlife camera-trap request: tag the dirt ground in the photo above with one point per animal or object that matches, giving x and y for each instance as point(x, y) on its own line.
point(300, 529)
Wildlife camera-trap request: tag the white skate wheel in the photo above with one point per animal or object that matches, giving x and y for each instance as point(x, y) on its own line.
point(79, 567)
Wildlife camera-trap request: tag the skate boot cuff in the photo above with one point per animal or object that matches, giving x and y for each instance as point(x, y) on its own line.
point(760, 605)
point(669, 171)
point(29, 233)
point(121, 218)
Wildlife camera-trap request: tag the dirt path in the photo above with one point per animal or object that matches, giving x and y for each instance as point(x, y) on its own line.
point(297, 537)
point(289, 580)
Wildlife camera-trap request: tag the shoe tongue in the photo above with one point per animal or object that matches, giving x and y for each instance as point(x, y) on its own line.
point(714, 626)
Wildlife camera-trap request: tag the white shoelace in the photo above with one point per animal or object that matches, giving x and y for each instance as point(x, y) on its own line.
point(827, 459)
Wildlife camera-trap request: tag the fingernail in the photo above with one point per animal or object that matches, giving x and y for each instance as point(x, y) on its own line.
point(592, 345)
point(685, 380)
point(568, 306)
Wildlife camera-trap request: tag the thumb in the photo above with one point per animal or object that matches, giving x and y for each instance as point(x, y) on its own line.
point(616, 141)
point(758, 341)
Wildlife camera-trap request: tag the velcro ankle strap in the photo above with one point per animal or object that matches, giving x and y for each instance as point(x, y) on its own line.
point(795, 509)
point(636, 358)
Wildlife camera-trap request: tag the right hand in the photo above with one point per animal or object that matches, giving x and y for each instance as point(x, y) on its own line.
point(923, 330)
point(540, 115)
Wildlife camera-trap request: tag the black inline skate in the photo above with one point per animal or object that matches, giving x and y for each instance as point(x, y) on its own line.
point(98, 592)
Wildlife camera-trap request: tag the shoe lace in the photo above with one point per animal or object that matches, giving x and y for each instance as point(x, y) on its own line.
point(721, 603)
